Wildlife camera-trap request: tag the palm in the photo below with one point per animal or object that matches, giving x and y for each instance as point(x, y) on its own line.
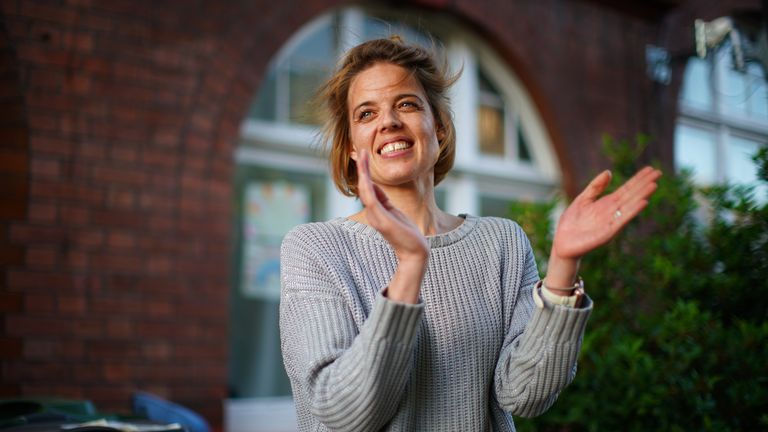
point(591, 221)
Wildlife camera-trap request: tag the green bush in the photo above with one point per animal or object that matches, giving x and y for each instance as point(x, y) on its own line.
point(678, 340)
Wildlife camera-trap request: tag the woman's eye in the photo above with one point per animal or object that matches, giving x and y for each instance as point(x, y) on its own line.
point(409, 105)
point(362, 115)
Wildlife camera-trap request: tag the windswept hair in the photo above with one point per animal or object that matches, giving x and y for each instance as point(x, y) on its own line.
point(434, 77)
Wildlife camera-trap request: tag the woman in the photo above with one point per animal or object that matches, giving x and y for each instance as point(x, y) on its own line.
point(404, 317)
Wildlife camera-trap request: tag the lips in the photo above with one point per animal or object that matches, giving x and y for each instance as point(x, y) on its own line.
point(393, 146)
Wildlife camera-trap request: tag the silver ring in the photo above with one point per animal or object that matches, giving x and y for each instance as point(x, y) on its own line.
point(617, 214)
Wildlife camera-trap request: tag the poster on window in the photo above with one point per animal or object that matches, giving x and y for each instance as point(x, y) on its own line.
point(270, 210)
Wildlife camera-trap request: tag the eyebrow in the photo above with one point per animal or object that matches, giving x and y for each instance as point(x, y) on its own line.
point(398, 97)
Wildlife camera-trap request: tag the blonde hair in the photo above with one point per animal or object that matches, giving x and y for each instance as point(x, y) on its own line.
point(433, 77)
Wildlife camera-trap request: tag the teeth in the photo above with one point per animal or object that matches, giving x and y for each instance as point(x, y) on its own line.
point(394, 146)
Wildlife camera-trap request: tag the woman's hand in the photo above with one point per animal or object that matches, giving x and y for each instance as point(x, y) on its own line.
point(591, 221)
point(410, 246)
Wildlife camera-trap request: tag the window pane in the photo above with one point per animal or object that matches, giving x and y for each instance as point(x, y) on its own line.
point(491, 129)
point(734, 93)
point(310, 64)
point(696, 85)
point(696, 149)
point(303, 85)
point(490, 117)
point(758, 99)
point(522, 145)
point(740, 167)
point(264, 107)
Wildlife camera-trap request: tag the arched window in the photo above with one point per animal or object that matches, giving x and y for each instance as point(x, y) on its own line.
point(503, 154)
point(723, 119)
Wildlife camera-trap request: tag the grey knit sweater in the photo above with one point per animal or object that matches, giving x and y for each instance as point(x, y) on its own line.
point(473, 352)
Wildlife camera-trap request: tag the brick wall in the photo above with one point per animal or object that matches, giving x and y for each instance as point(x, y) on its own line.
point(118, 121)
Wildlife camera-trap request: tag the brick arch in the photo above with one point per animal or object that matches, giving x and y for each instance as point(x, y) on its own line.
point(14, 196)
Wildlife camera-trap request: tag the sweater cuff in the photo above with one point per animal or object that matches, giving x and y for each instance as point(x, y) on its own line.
point(558, 323)
point(393, 320)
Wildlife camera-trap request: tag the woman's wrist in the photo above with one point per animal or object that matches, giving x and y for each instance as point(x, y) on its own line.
point(561, 274)
point(406, 282)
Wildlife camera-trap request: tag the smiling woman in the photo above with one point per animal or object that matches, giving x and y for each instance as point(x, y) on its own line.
point(405, 317)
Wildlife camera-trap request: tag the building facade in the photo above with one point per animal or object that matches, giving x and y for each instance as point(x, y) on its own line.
point(139, 140)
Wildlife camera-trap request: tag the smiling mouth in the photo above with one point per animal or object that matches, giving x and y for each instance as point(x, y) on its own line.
point(395, 146)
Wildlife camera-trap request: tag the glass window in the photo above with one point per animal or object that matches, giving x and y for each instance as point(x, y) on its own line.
point(740, 168)
point(719, 107)
point(696, 150)
point(696, 90)
point(291, 83)
point(269, 203)
point(500, 132)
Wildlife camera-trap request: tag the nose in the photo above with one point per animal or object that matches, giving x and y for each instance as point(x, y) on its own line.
point(390, 120)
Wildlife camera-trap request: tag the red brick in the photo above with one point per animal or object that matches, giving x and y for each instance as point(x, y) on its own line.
point(158, 158)
point(42, 348)
point(197, 143)
point(77, 260)
point(31, 234)
point(37, 326)
point(61, 15)
point(123, 176)
point(88, 238)
point(36, 303)
point(155, 351)
point(121, 239)
point(159, 265)
point(114, 350)
point(74, 391)
point(120, 219)
point(166, 138)
point(42, 212)
point(116, 263)
point(42, 257)
point(29, 281)
point(46, 79)
point(67, 191)
point(46, 168)
point(124, 154)
point(73, 215)
point(71, 304)
point(120, 328)
point(47, 145)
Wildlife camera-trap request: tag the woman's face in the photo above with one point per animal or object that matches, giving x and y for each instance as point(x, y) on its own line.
point(390, 116)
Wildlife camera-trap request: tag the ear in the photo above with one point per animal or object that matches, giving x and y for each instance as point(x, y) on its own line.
point(353, 153)
point(440, 132)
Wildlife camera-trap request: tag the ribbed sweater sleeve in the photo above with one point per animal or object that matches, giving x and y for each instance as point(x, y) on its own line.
point(536, 365)
point(351, 380)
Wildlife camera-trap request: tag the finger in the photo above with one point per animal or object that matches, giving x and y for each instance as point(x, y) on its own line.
point(382, 197)
point(640, 189)
point(365, 188)
point(642, 177)
point(596, 186)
